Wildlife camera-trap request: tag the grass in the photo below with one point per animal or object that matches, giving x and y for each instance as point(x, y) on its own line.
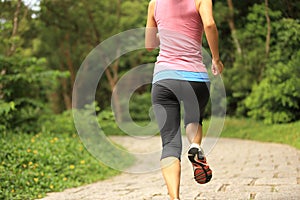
point(32, 165)
point(255, 130)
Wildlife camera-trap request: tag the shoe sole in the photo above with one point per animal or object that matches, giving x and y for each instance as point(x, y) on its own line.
point(202, 172)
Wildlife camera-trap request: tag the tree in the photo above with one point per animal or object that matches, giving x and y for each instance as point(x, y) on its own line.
point(276, 99)
point(70, 29)
point(24, 82)
point(248, 69)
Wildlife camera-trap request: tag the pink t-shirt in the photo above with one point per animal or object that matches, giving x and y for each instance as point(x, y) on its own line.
point(180, 31)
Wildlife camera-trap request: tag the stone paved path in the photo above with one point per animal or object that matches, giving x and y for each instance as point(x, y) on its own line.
point(241, 170)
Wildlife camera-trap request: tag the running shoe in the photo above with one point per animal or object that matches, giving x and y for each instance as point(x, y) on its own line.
point(202, 172)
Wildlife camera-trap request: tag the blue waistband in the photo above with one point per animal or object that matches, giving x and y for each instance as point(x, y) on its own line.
point(181, 75)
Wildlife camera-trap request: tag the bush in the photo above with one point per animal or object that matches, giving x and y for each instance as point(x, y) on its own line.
point(24, 86)
point(64, 123)
point(58, 123)
point(108, 124)
point(276, 99)
point(139, 107)
point(248, 67)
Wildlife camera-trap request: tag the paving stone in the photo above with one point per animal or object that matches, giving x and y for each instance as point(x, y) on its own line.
point(251, 189)
point(287, 189)
point(276, 196)
point(224, 195)
point(250, 173)
point(276, 181)
point(236, 181)
point(283, 174)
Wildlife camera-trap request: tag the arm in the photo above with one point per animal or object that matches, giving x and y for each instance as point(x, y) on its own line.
point(151, 36)
point(211, 32)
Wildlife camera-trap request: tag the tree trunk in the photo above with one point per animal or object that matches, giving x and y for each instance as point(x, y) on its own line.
point(291, 13)
point(15, 28)
point(232, 27)
point(113, 76)
point(55, 102)
point(65, 92)
point(65, 82)
point(112, 72)
point(117, 107)
point(268, 36)
point(69, 61)
point(12, 48)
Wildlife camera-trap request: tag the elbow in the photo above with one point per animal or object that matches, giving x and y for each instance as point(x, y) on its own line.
point(151, 47)
point(151, 39)
point(210, 25)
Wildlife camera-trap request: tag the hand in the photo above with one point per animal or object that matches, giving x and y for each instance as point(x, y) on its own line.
point(217, 67)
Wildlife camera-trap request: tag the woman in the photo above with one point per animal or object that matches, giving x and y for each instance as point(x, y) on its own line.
point(177, 27)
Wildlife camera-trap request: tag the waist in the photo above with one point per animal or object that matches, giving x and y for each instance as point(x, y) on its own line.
point(181, 75)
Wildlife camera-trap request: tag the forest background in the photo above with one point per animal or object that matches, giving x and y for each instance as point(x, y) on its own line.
point(43, 44)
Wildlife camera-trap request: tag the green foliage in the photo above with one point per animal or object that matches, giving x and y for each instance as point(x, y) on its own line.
point(139, 107)
point(33, 165)
point(261, 85)
point(286, 40)
point(248, 67)
point(88, 128)
point(134, 19)
point(71, 29)
point(25, 28)
point(24, 86)
point(64, 123)
point(106, 120)
point(276, 98)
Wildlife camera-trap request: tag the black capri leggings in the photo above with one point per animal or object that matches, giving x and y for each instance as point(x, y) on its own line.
point(166, 98)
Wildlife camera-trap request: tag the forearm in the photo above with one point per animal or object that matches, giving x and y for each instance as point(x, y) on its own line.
point(151, 38)
point(212, 37)
point(210, 28)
